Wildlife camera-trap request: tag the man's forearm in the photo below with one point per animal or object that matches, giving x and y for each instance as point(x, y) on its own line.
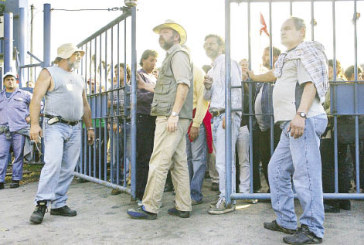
point(34, 111)
point(182, 91)
point(87, 116)
point(265, 77)
point(308, 95)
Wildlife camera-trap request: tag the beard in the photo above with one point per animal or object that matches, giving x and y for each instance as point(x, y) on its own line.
point(212, 53)
point(74, 65)
point(165, 44)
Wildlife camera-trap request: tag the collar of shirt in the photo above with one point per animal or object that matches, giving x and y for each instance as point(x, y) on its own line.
point(173, 48)
point(218, 60)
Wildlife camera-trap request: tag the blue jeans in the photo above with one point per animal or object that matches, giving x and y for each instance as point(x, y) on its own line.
point(17, 143)
point(299, 159)
point(218, 135)
point(118, 153)
point(196, 158)
point(62, 146)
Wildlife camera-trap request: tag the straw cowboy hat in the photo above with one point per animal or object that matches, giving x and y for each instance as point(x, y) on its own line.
point(174, 26)
point(66, 50)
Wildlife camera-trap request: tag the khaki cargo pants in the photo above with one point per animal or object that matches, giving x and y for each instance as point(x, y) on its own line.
point(169, 153)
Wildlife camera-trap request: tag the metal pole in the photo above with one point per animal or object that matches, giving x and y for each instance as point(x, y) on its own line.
point(8, 41)
point(133, 101)
point(228, 145)
point(47, 35)
point(21, 47)
point(356, 101)
point(31, 36)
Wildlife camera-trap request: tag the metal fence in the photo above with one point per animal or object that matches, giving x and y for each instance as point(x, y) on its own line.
point(111, 92)
point(346, 98)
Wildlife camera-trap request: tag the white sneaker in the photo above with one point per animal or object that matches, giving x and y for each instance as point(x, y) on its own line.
point(221, 207)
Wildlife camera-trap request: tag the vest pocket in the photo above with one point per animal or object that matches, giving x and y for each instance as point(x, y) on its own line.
point(162, 87)
point(160, 109)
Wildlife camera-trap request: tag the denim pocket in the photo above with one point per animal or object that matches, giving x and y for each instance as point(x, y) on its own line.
point(320, 124)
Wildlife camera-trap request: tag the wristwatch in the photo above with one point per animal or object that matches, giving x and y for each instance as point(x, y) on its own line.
point(174, 114)
point(302, 114)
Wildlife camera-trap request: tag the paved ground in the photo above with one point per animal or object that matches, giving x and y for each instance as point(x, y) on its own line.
point(102, 219)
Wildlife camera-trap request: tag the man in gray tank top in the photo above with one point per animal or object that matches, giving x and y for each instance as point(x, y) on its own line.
point(65, 106)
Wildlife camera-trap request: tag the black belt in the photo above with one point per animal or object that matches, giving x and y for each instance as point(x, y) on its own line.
point(217, 112)
point(61, 120)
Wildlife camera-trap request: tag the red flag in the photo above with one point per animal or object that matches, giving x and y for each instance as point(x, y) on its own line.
point(264, 26)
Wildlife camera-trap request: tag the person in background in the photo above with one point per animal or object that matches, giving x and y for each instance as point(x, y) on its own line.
point(14, 128)
point(145, 122)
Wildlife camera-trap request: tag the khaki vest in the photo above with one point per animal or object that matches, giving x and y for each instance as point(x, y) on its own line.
point(166, 88)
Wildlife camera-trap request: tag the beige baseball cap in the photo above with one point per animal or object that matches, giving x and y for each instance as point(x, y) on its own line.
point(66, 50)
point(174, 26)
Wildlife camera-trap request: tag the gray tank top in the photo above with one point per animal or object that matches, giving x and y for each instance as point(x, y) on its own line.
point(65, 100)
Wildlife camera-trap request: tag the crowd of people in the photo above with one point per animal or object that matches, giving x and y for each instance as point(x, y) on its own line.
point(181, 129)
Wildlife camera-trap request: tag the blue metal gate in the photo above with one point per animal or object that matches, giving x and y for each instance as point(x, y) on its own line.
point(111, 92)
point(345, 96)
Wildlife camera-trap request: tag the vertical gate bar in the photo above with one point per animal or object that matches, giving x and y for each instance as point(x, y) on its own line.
point(356, 99)
point(271, 66)
point(133, 102)
point(116, 112)
point(125, 108)
point(312, 21)
point(47, 35)
point(111, 109)
point(228, 143)
point(251, 149)
point(118, 109)
point(332, 93)
point(290, 8)
point(21, 38)
point(8, 41)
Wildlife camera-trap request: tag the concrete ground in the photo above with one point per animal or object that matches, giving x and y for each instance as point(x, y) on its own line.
point(102, 219)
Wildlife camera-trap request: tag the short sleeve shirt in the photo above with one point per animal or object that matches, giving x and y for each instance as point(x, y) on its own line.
point(288, 91)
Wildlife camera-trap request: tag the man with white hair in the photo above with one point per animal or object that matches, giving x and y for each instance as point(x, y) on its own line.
point(172, 105)
point(299, 91)
point(65, 105)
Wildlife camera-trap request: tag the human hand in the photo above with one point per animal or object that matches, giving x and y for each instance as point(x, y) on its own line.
point(297, 126)
point(194, 132)
point(35, 133)
point(90, 136)
point(208, 82)
point(172, 123)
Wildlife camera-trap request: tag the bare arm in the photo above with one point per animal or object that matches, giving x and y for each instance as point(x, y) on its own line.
point(297, 125)
point(87, 119)
point(265, 77)
point(42, 85)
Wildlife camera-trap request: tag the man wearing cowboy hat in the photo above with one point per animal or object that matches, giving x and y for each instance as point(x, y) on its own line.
point(65, 106)
point(172, 104)
point(14, 126)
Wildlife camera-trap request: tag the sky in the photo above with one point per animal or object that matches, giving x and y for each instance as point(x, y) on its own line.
point(202, 17)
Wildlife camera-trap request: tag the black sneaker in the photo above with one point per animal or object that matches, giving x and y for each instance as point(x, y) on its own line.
point(273, 226)
point(14, 184)
point(63, 211)
point(140, 213)
point(1, 186)
point(38, 214)
point(303, 236)
point(181, 214)
point(331, 209)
